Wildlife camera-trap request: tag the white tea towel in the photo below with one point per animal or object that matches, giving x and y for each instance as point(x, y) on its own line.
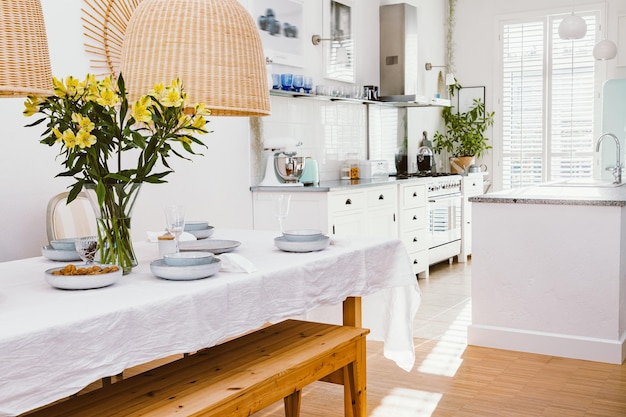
point(231, 262)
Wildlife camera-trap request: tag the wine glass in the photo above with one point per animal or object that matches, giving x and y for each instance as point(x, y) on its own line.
point(87, 247)
point(175, 221)
point(282, 209)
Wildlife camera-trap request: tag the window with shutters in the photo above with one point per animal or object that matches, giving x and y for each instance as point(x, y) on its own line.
point(547, 101)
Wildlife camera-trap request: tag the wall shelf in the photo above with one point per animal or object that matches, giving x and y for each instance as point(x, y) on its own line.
point(422, 102)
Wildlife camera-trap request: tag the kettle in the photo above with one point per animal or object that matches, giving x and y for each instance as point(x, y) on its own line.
point(311, 174)
point(477, 168)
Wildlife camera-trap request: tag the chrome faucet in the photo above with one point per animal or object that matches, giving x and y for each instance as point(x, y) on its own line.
point(617, 169)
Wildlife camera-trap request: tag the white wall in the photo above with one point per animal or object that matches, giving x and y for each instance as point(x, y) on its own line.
point(476, 44)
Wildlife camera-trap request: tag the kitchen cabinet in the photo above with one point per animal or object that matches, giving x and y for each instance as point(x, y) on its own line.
point(413, 223)
point(471, 185)
point(361, 211)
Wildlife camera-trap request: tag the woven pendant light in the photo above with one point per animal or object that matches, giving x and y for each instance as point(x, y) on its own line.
point(24, 57)
point(213, 46)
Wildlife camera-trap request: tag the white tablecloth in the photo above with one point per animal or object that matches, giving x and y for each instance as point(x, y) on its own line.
point(55, 342)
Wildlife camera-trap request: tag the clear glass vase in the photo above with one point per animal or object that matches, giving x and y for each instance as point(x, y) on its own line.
point(114, 209)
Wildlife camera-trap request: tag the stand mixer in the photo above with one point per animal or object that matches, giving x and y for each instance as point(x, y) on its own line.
point(282, 168)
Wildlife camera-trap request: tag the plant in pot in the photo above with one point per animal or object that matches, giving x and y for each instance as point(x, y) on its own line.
point(464, 137)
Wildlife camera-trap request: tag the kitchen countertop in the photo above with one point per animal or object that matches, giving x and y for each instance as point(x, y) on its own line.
point(333, 185)
point(558, 195)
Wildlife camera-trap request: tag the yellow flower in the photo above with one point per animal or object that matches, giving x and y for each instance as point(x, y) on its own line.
point(158, 90)
point(201, 110)
point(199, 122)
point(184, 120)
point(59, 88)
point(72, 85)
point(85, 139)
point(172, 98)
point(107, 97)
point(31, 105)
point(140, 110)
point(69, 139)
point(83, 122)
point(57, 134)
point(185, 139)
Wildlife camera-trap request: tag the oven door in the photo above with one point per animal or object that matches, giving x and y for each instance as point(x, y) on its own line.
point(444, 219)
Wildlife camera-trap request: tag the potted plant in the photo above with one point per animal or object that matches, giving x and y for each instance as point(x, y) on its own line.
point(464, 137)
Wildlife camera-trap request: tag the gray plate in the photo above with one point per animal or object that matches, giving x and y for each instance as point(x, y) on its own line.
point(184, 273)
point(210, 245)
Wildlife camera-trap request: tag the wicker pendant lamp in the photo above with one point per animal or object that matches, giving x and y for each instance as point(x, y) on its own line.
point(213, 46)
point(24, 57)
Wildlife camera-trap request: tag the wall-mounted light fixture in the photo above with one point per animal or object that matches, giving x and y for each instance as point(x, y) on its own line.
point(450, 80)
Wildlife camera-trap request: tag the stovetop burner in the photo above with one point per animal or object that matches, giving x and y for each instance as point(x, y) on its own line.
point(422, 175)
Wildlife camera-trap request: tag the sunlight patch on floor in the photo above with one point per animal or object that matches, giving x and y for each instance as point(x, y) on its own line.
point(404, 402)
point(445, 357)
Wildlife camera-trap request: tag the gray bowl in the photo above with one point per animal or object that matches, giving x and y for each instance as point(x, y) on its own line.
point(188, 258)
point(196, 225)
point(64, 244)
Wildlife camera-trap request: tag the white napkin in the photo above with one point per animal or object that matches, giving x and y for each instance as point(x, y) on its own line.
point(154, 236)
point(232, 262)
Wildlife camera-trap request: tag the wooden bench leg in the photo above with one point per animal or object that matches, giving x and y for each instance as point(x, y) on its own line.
point(292, 404)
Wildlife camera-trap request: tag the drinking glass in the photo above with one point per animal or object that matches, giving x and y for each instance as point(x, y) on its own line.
point(87, 247)
point(307, 84)
point(298, 82)
point(282, 209)
point(286, 80)
point(175, 221)
point(275, 81)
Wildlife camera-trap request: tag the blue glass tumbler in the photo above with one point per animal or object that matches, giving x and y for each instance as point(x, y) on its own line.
point(286, 81)
point(298, 82)
point(275, 81)
point(308, 84)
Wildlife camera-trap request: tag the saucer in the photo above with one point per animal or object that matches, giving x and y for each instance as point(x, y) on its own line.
point(184, 273)
point(304, 246)
point(59, 255)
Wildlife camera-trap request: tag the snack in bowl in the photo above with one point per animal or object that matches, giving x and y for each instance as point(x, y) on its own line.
point(71, 269)
point(83, 277)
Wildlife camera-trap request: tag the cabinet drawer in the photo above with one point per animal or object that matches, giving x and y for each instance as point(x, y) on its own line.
point(414, 196)
point(419, 260)
point(338, 202)
point(383, 196)
point(471, 186)
point(415, 218)
point(416, 240)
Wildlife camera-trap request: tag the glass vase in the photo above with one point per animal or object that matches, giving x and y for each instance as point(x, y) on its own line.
point(114, 208)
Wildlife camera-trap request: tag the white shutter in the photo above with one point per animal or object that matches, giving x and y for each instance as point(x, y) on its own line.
point(546, 79)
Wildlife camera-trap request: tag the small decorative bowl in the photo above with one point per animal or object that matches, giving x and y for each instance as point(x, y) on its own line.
point(203, 233)
point(196, 225)
point(188, 258)
point(64, 244)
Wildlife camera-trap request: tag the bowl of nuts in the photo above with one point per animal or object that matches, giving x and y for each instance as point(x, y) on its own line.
point(83, 276)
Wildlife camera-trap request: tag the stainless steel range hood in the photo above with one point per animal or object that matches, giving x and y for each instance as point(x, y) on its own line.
point(398, 52)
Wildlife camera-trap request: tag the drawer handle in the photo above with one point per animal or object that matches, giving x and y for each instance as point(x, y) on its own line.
point(348, 201)
point(415, 217)
point(414, 239)
point(381, 197)
point(415, 194)
point(415, 262)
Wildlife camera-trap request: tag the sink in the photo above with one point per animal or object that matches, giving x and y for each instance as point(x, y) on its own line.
point(583, 182)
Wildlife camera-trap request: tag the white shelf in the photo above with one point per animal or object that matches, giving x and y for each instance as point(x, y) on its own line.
point(420, 102)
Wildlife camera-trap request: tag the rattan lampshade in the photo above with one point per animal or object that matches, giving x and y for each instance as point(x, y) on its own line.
point(213, 46)
point(24, 57)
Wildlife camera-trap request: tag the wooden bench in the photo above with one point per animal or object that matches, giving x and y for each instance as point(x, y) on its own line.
point(238, 377)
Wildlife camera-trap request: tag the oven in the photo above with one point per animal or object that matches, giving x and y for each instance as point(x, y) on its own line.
point(444, 218)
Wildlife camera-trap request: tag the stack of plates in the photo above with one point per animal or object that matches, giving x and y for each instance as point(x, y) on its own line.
point(303, 240)
point(61, 250)
point(186, 266)
point(199, 228)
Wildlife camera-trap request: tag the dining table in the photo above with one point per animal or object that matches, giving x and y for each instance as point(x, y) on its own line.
point(55, 342)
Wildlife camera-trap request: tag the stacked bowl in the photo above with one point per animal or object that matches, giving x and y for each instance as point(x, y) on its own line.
point(302, 240)
point(186, 266)
point(61, 250)
point(199, 228)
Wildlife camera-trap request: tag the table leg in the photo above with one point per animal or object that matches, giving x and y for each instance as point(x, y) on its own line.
point(352, 316)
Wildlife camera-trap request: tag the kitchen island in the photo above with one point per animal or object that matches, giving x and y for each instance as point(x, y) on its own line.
point(549, 271)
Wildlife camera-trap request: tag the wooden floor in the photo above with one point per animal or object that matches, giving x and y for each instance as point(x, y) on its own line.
point(453, 379)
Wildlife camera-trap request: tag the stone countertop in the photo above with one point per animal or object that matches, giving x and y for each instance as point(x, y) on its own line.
point(343, 185)
point(554, 194)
